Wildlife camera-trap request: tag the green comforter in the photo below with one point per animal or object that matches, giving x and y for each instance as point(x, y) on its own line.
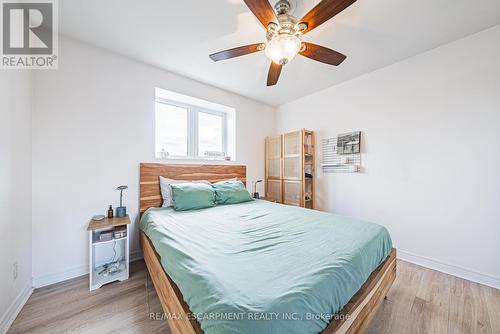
point(260, 267)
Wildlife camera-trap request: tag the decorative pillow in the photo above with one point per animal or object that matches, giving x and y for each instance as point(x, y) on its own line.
point(231, 192)
point(166, 190)
point(191, 196)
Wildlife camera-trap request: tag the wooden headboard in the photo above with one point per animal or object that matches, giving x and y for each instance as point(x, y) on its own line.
point(149, 192)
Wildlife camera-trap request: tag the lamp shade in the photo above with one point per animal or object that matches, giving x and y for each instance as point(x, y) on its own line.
point(283, 48)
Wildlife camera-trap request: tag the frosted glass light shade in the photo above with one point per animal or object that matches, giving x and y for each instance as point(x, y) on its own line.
point(283, 48)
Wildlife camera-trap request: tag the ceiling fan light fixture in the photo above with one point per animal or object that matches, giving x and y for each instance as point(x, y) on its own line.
point(281, 49)
point(284, 34)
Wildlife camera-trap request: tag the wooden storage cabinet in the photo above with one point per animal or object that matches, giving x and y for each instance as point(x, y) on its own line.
point(294, 153)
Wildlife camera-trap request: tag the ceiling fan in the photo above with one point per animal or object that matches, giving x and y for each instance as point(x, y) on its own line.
point(284, 34)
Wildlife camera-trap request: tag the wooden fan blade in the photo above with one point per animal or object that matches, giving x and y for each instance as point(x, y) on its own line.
point(322, 54)
point(262, 10)
point(274, 74)
point(324, 11)
point(236, 52)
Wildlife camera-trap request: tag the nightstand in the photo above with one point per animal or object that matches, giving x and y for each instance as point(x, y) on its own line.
point(108, 251)
point(268, 199)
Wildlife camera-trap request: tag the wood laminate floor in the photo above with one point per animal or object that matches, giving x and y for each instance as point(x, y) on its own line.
point(420, 301)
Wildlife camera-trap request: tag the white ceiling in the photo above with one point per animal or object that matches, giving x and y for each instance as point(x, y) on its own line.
point(179, 35)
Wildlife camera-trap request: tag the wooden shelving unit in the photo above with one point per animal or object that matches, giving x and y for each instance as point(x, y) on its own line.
point(290, 160)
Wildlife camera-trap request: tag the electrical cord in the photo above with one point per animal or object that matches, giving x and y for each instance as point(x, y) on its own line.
point(114, 250)
point(112, 266)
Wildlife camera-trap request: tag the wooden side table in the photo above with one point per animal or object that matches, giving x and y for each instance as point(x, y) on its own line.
point(108, 251)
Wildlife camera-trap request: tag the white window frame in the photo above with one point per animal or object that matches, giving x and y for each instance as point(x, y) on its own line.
point(193, 126)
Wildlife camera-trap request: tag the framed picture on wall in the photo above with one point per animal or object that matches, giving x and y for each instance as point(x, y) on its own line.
point(349, 143)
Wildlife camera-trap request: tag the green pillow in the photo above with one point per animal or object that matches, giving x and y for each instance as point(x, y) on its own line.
point(191, 196)
point(231, 192)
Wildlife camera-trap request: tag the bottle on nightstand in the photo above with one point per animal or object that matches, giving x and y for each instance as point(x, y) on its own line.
point(110, 212)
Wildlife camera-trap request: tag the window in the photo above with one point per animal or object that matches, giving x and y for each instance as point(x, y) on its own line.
point(211, 133)
point(172, 129)
point(187, 127)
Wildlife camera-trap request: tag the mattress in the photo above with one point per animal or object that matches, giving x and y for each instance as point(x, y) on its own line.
point(262, 267)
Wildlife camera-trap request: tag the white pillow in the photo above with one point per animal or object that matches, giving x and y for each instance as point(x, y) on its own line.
point(166, 189)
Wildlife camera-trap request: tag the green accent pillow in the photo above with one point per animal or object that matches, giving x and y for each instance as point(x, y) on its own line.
point(192, 196)
point(231, 192)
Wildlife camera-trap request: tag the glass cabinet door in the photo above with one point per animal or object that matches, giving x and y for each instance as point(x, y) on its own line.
point(273, 190)
point(292, 158)
point(292, 192)
point(273, 157)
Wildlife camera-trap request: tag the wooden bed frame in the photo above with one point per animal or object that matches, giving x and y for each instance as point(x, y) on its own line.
point(353, 318)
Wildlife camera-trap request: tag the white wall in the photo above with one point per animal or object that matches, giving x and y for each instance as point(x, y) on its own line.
point(15, 192)
point(93, 123)
point(431, 153)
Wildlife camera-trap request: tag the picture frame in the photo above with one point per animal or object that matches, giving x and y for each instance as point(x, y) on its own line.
point(349, 143)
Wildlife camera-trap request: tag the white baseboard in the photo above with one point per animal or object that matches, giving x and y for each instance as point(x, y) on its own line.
point(53, 278)
point(450, 269)
point(13, 310)
point(74, 272)
point(403, 255)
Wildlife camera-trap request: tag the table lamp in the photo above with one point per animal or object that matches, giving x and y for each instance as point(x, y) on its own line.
point(255, 193)
point(121, 211)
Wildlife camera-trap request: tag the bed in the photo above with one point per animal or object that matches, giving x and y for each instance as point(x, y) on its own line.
point(260, 266)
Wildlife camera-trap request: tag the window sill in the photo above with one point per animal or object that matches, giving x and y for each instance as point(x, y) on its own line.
point(199, 160)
